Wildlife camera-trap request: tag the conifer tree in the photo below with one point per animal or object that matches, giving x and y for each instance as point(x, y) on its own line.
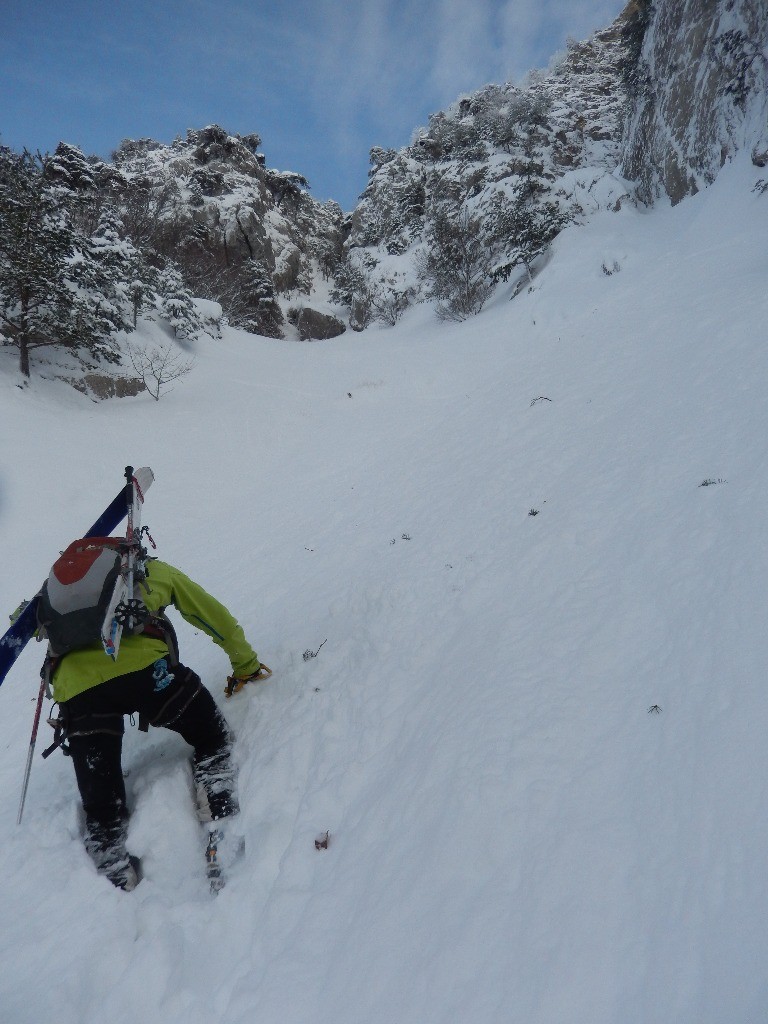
point(53, 290)
point(256, 309)
point(353, 286)
point(176, 304)
point(121, 277)
point(69, 168)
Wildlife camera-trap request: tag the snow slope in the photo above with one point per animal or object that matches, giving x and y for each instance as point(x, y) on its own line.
point(514, 838)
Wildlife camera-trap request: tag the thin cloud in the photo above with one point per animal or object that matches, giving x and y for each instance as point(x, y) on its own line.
point(529, 28)
point(465, 52)
point(392, 56)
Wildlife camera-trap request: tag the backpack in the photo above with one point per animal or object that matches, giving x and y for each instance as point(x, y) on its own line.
point(76, 597)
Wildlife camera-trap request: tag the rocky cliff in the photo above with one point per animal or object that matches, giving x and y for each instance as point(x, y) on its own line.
point(497, 174)
point(699, 93)
point(242, 233)
point(651, 106)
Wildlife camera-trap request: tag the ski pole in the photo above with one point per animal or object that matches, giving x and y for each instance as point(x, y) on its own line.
point(31, 751)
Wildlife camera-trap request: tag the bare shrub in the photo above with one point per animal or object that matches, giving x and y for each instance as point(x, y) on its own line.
point(159, 368)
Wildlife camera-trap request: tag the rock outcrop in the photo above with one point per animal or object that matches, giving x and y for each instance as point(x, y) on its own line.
point(313, 325)
point(242, 233)
point(701, 93)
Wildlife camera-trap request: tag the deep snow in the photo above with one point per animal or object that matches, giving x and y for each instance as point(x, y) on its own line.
point(514, 838)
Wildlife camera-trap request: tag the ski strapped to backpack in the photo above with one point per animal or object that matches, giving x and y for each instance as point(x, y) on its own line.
point(126, 609)
point(24, 620)
point(93, 591)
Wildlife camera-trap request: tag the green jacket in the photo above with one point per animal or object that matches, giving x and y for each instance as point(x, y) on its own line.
point(83, 669)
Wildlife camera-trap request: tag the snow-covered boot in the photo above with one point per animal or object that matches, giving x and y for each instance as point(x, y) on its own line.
point(225, 846)
point(105, 844)
point(214, 776)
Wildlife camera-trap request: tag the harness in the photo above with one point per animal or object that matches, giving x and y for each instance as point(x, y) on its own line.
point(159, 627)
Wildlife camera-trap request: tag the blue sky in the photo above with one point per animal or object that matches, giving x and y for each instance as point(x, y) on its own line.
point(320, 80)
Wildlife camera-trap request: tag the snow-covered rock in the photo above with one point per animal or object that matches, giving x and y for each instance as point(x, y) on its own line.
point(701, 93)
point(241, 232)
point(550, 144)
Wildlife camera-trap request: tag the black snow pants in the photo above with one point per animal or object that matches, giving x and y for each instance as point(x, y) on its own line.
point(162, 696)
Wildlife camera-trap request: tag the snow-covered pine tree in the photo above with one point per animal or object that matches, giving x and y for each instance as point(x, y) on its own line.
point(140, 286)
point(354, 287)
point(126, 272)
point(253, 306)
point(87, 183)
point(174, 303)
point(69, 167)
point(53, 290)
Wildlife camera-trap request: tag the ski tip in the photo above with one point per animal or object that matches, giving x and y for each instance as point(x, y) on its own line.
point(143, 477)
point(142, 480)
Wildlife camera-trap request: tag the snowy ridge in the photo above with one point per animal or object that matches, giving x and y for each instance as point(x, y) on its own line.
point(514, 838)
point(562, 128)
